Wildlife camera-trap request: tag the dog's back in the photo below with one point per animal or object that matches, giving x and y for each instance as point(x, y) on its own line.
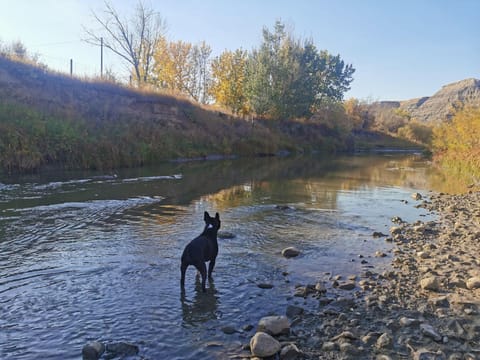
point(202, 249)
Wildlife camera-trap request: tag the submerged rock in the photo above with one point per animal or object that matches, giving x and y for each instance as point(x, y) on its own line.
point(122, 349)
point(93, 350)
point(225, 235)
point(290, 252)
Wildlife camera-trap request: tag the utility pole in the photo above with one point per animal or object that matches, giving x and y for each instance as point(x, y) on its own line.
point(71, 67)
point(101, 57)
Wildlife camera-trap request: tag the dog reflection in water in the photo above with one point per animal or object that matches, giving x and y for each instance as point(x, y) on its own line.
point(202, 307)
point(202, 249)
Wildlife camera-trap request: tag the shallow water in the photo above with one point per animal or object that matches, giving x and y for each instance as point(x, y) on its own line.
point(86, 257)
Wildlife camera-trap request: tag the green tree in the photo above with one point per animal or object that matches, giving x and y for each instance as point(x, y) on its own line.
point(288, 78)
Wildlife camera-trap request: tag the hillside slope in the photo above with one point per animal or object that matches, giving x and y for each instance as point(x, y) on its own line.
point(52, 119)
point(439, 106)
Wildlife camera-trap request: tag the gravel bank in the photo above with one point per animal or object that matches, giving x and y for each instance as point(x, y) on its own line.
point(427, 306)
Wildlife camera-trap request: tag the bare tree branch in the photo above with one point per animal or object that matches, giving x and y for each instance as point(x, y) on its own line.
point(133, 40)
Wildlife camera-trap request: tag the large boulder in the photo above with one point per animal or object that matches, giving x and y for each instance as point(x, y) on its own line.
point(264, 345)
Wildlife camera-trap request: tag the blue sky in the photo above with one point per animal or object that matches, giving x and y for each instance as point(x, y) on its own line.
point(400, 49)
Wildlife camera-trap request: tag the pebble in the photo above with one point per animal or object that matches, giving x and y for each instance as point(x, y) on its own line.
point(384, 341)
point(429, 331)
point(430, 283)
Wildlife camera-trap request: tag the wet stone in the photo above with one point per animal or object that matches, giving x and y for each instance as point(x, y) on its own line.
point(290, 252)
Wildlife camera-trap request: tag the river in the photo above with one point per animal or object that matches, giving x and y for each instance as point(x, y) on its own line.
point(90, 257)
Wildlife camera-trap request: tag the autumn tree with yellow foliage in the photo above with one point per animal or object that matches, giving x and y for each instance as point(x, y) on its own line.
point(456, 143)
point(229, 80)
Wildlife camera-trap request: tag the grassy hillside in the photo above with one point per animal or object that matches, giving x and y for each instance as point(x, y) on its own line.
point(52, 119)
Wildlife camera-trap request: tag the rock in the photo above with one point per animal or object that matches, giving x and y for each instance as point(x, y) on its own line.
point(347, 285)
point(431, 283)
point(370, 338)
point(430, 332)
point(473, 283)
point(264, 345)
point(345, 335)
point(397, 220)
point(377, 234)
point(293, 311)
point(404, 321)
point(439, 302)
point(425, 354)
point(320, 287)
point(348, 348)
point(395, 230)
point(274, 325)
point(423, 255)
point(329, 346)
point(93, 350)
point(225, 235)
point(229, 330)
point(290, 252)
point(416, 196)
point(290, 352)
point(265, 286)
point(121, 349)
point(380, 254)
point(384, 341)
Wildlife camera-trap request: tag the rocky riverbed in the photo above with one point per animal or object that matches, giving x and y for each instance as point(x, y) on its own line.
point(427, 306)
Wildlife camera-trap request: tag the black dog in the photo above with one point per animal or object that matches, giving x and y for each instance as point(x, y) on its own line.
point(202, 249)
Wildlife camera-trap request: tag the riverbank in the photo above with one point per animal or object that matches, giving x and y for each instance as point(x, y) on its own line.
point(425, 307)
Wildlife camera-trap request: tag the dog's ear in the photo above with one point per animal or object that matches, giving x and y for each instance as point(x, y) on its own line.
point(206, 216)
point(217, 216)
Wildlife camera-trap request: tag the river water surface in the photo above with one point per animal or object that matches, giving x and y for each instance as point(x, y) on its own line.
point(85, 257)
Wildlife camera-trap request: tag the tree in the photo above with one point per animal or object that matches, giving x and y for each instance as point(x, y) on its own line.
point(181, 67)
point(229, 79)
point(172, 65)
point(291, 78)
point(133, 40)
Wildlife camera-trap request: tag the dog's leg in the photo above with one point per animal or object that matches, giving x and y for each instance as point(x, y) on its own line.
point(210, 268)
point(203, 271)
point(183, 269)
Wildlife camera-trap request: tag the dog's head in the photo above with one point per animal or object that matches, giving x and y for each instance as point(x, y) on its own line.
point(211, 222)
